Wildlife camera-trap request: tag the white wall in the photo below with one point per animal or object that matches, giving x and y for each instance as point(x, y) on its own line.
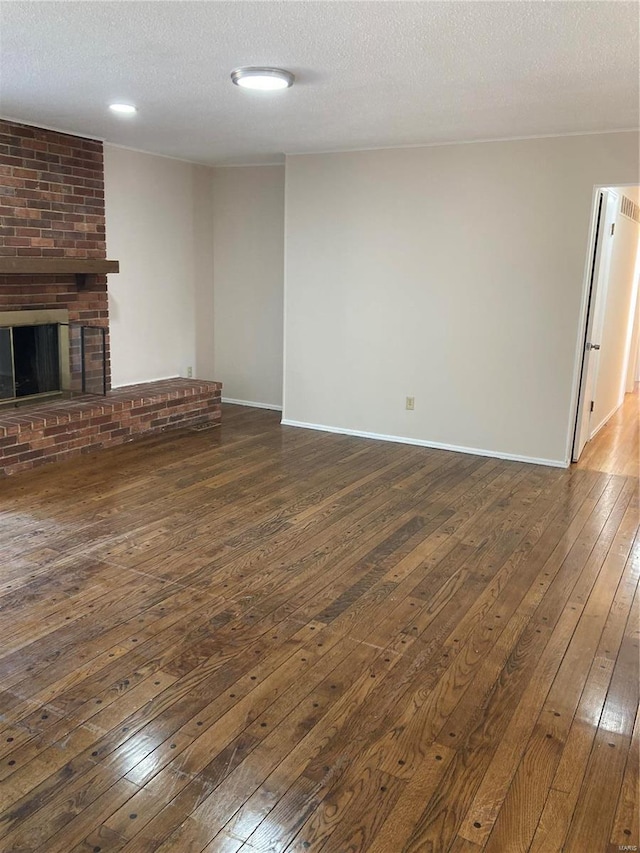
point(157, 227)
point(203, 249)
point(633, 366)
point(248, 228)
point(616, 332)
point(453, 274)
point(633, 374)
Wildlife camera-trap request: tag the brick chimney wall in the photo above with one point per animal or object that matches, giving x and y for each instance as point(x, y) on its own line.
point(52, 206)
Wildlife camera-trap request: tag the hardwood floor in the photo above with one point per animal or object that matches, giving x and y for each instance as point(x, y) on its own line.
point(616, 448)
point(257, 638)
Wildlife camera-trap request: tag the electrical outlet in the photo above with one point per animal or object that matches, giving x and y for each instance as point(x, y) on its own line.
point(189, 372)
point(410, 404)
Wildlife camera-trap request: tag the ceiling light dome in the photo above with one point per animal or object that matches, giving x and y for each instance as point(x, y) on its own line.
point(125, 109)
point(263, 79)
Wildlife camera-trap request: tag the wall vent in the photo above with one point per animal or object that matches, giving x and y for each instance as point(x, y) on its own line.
point(630, 208)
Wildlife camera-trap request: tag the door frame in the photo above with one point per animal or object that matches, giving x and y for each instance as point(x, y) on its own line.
point(598, 215)
point(596, 314)
point(584, 315)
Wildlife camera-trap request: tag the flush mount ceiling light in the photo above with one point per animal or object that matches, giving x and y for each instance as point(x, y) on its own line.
point(263, 79)
point(125, 109)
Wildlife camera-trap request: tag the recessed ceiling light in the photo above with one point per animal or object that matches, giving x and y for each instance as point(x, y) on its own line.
point(126, 109)
point(264, 79)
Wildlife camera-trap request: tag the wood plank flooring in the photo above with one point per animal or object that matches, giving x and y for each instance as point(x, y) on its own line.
point(257, 638)
point(616, 448)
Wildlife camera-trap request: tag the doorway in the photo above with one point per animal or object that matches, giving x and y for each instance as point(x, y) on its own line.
point(612, 327)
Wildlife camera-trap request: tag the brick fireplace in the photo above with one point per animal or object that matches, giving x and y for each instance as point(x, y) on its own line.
point(52, 207)
point(52, 259)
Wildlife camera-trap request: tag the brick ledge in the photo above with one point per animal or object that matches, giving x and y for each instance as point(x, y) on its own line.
point(52, 432)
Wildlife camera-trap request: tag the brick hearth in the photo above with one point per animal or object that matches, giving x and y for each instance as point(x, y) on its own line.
point(55, 431)
point(52, 206)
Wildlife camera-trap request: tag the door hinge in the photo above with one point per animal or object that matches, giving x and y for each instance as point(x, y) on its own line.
point(591, 406)
point(613, 228)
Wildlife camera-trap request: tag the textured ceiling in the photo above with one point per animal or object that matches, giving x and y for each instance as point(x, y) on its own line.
point(369, 74)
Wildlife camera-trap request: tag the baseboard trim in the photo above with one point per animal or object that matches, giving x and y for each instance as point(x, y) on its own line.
point(435, 445)
point(145, 381)
point(271, 406)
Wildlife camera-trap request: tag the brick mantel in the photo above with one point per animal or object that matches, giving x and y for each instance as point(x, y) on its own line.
point(57, 266)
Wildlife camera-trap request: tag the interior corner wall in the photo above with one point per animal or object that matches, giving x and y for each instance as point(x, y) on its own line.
point(633, 364)
point(452, 274)
point(153, 210)
point(248, 258)
point(202, 242)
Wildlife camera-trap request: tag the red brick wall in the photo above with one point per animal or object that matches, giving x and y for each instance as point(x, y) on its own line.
point(52, 206)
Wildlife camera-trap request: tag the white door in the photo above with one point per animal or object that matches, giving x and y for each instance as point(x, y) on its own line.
point(607, 211)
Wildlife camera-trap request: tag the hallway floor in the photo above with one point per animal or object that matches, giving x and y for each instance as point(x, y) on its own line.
point(615, 449)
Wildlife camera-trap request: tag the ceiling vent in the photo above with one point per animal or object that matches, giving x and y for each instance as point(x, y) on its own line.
point(630, 208)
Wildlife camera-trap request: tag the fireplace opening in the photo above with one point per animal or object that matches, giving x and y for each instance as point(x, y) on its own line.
point(36, 357)
point(29, 361)
point(42, 354)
